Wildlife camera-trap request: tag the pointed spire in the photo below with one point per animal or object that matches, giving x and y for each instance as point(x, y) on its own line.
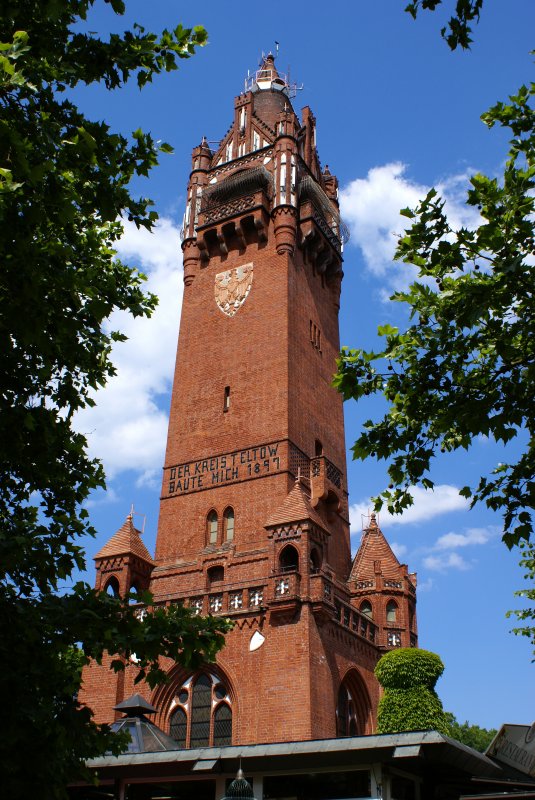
point(125, 541)
point(374, 550)
point(267, 77)
point(295, 508)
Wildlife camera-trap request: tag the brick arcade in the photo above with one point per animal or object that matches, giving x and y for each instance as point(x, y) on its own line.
point(254, 506)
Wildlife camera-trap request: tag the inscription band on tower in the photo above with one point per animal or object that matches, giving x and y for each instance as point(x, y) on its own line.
point(225, 468)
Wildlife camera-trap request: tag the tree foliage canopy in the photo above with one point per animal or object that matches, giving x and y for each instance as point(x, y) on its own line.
point(407, 668)
point(64, 186)
point(465, 367)
point(471, 735)
point(457, 32)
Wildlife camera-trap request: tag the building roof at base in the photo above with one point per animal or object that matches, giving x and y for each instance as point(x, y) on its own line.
point(413, 751)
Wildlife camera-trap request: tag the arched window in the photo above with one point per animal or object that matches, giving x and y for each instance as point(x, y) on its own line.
point(202, 714)
point(346, 719)
point(366, 609)
point(353, 708)
point(289, 559)
point(229, 524)
point(318, 448)
point(211, 527)
point(112, 587)
point(133, 592)
point(391, 611)
point(179, 726)
point(222, 725)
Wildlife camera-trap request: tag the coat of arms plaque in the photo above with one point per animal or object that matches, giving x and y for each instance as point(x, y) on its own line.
point(232, 287)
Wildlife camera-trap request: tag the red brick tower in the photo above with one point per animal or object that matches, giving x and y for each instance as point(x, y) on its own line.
point(254, 514)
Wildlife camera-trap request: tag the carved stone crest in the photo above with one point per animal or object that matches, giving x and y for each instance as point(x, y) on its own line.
point(232, 287)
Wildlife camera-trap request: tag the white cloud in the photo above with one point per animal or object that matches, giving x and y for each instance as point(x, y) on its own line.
point(371, 208)
point(427, 505)
point(102, 498)
point(127, 428)
point(473, 536)
point(441, 563)
point(426, 586)
point(442, 556)
point(400, 550)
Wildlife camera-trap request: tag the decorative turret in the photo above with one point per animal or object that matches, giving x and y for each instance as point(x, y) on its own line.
point(383, 589)
point(264, 177)
point(124, 564)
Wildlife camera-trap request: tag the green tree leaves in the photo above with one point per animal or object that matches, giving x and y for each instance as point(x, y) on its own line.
point(470, 735)
point(64, 186)
point(457, 33)
point(409, 702)
point(465, 367)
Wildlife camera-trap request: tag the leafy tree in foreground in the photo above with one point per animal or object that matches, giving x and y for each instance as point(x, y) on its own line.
point(457, 33)
point(526, 616)
point(63, 187)
point(465, 366)
point(409, 703)
point(470, 735)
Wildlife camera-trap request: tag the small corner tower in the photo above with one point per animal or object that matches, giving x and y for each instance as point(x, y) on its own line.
point(124, 564)
point(384, 590)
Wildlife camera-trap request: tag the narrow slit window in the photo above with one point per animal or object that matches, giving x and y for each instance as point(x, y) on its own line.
point(212, 527)
point(226, 401)
point(229, 524)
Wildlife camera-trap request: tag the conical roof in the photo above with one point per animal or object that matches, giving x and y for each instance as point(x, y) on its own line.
point(295, 508)
point(127, 540)
point(374, 547)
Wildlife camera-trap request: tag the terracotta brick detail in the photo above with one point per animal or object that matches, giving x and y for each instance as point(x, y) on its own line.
point(254, 509)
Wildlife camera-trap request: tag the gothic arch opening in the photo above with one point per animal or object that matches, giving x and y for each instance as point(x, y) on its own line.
point(200, 711)
point(133, 592)
point(353, 708)
point(366, 609)
point(391, 611)
point(112, 587)
point(289, 559)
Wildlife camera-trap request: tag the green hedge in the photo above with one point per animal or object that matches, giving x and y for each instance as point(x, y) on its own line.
point(416, 709)
point(409, 703)
point(408, 667)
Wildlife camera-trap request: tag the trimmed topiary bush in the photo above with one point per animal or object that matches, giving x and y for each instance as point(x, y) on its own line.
point(409, 703)
point(408, 667)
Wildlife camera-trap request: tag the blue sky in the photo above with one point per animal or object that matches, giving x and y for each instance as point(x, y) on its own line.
point(397, 113)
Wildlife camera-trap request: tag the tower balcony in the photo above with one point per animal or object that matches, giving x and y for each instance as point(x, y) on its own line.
point(325, 482)
point(235, 212)
point(322, 597)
